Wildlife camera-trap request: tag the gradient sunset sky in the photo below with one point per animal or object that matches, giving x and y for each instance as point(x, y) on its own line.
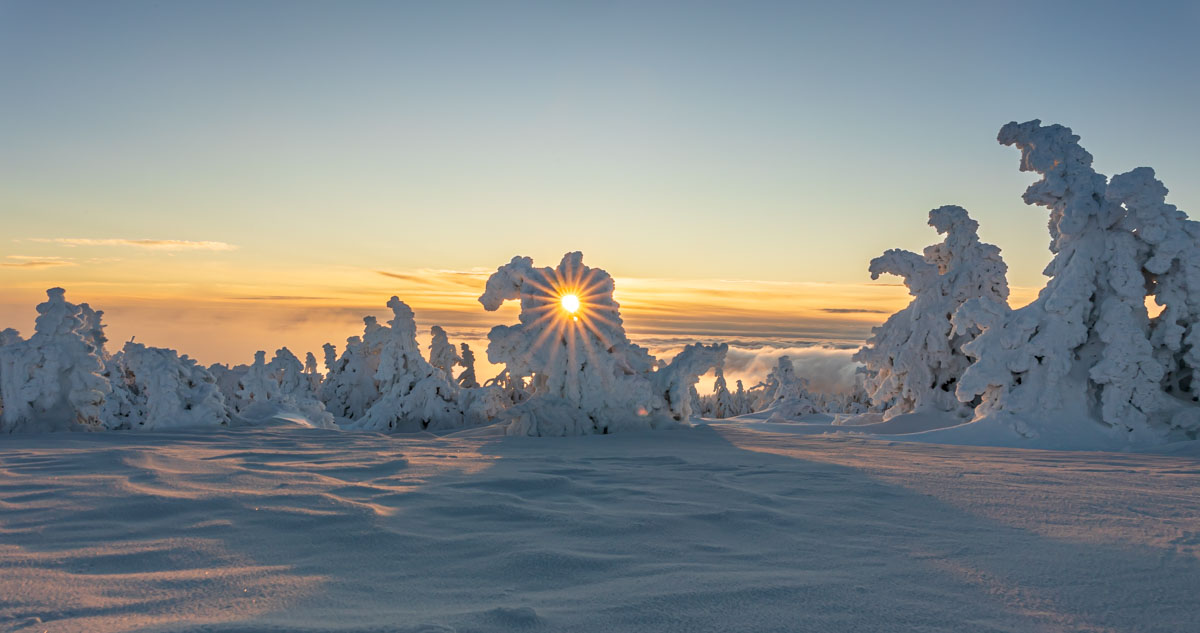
point(224, 177)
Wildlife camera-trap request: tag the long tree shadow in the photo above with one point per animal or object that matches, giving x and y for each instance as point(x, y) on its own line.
point(701, 530)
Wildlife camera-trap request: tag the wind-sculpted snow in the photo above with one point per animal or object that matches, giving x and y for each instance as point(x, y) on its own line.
point(577, 358)
point(912, 362)
point(717, 530)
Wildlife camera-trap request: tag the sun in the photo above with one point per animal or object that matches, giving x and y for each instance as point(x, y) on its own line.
point(570, 303)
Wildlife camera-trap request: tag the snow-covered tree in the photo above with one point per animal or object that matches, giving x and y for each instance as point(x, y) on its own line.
point(1085, 346)
point(155, 388)
point(8, 336)
point(349, 388)
point(381, 381)
point(514, 389)
point(913, 361)
point(743, 403)
point(312, 373)
point(414, 395)
point(54, 380)
point(467, 379)
point(722, 399)
point(442, 353)
point(676, 383)
point(1172, 271)
point(784, 393)
point(723, 405)
point(266, 389)
point(571, 345)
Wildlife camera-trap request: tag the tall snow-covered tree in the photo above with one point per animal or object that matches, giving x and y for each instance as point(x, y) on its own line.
point(1084, 347)
point(914, 360)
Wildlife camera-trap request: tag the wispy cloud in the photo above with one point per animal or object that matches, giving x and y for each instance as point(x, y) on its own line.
point(158, 245)
point(34, 261)
point(279, 298)
point(855, 311)
point(440, 277)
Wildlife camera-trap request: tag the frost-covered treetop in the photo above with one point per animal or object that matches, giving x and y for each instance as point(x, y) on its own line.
point(1069, 187)
point(403, 320)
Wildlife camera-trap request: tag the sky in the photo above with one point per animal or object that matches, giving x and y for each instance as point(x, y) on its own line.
point(221, 177)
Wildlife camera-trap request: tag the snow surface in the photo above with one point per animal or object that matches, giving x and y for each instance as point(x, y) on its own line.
point(716, 528)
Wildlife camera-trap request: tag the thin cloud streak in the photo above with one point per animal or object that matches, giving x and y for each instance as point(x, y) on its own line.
point(33, 261)
point(853, 311)
point(158, 245)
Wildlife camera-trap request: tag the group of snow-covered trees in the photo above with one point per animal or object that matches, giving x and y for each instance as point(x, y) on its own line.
point(1088, 347)
point(565, 373)
point(63, 377)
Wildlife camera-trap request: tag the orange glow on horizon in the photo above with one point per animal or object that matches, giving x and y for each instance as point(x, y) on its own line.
point(220, 311)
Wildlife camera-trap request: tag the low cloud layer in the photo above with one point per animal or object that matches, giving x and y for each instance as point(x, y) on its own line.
point(826, 365)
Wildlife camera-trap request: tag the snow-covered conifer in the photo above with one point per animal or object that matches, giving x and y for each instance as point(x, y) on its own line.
point(414, 395)
point(54, 380)
point(467, 379)
point(1172, 271)
point(1084, 347)
point(349, 388)
point(155, 388)
point(913, 361)
point(723, 405)
point(442, 353)
point(784, 393)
